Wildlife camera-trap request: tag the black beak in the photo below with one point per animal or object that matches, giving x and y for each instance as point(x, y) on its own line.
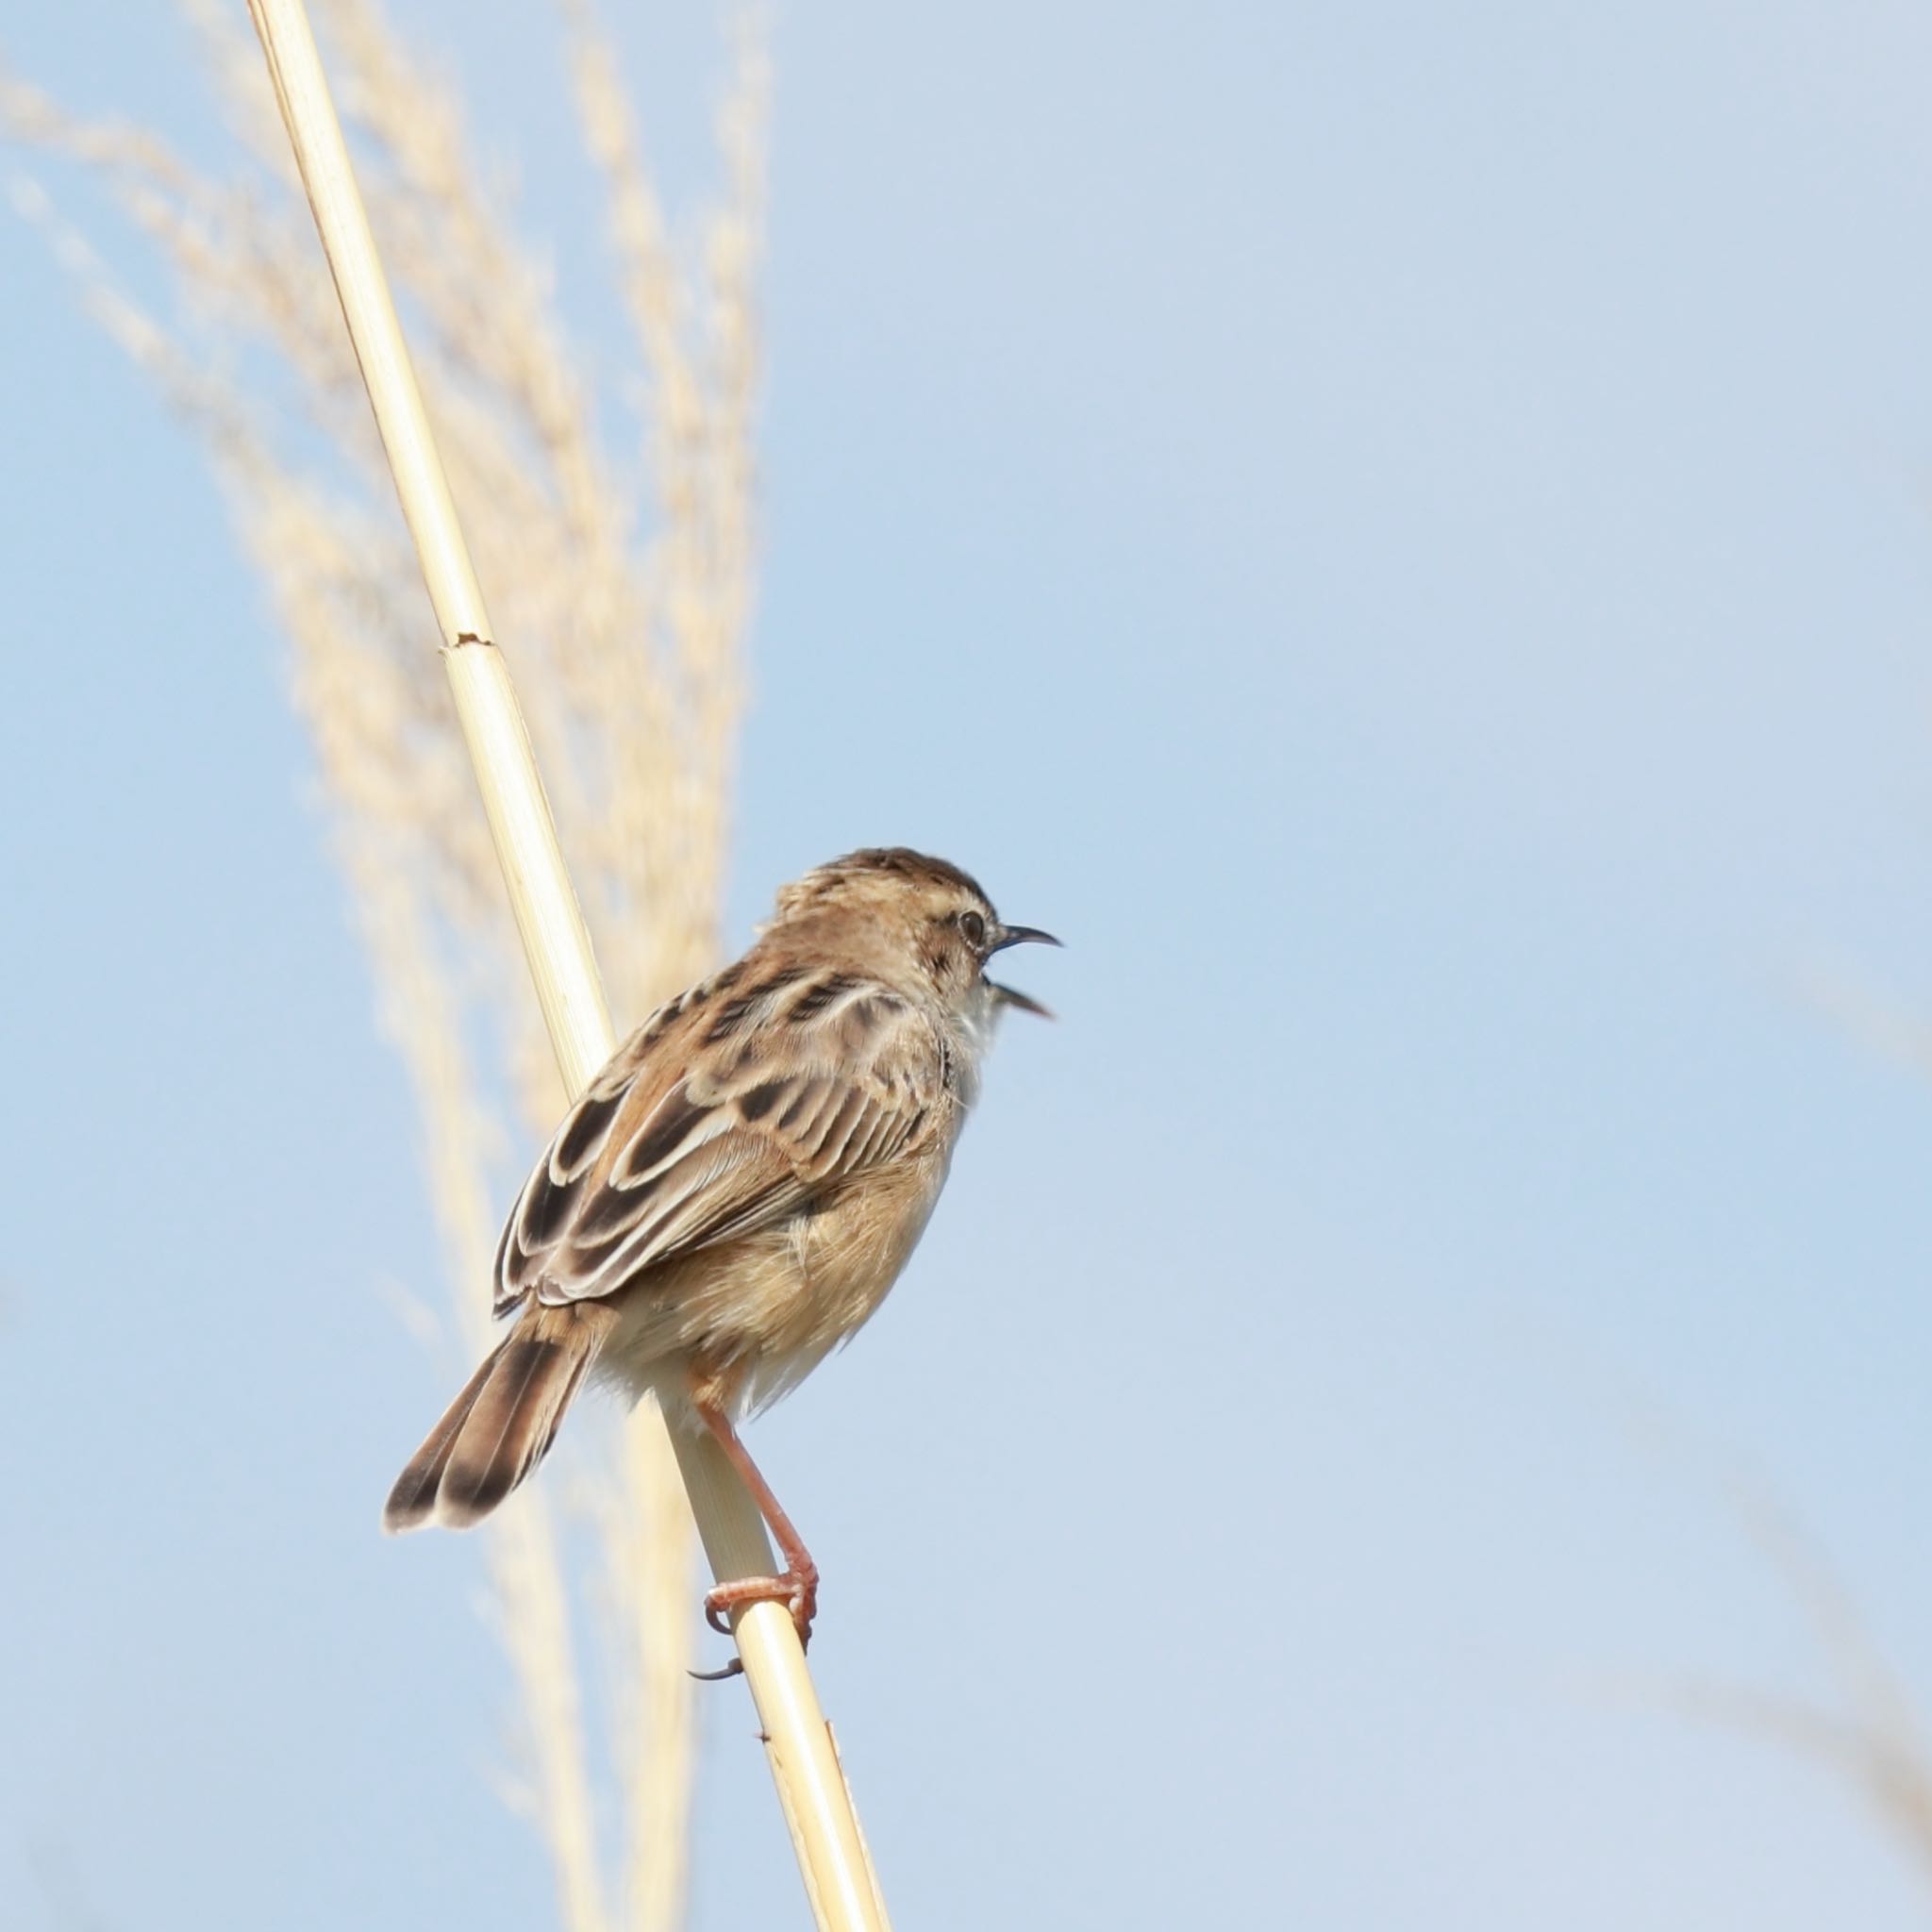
point(1019, 935)
point(1024, 1001)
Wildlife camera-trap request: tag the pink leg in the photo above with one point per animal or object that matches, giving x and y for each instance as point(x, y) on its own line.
point(796, 1587)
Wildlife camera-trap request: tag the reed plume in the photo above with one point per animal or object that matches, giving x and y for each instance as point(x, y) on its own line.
point(621, 587)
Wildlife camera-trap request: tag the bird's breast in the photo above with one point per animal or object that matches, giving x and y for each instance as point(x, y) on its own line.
point(761, 1313)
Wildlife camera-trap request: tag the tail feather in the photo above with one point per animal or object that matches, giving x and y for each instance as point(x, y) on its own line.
point(497, 1431)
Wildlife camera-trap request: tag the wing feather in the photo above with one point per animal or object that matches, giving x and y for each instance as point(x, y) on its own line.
point(731, 1109)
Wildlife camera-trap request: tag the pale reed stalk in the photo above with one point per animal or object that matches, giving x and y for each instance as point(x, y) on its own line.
point(833, 1862)
point(609, 627)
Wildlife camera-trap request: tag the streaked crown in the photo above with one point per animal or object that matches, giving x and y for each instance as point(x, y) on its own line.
point(880, 872)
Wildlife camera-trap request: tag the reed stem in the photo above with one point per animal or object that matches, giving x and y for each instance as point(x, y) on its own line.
point(813, 1792)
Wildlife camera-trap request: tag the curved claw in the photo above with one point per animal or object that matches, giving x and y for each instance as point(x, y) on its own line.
point(797, 1590)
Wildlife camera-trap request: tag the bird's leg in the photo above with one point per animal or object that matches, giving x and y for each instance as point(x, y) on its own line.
point(797, 1586)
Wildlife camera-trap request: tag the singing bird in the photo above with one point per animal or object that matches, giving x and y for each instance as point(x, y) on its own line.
point(734, 1193)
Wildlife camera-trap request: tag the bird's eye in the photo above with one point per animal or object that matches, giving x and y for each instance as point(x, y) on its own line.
point(973, 928)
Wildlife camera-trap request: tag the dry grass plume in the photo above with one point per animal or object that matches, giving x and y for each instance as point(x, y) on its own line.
point(621, 584)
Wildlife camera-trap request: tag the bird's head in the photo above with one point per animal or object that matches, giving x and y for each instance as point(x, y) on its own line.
point(918, 921)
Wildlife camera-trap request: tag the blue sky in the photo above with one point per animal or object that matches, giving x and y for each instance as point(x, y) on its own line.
point(1404, 535)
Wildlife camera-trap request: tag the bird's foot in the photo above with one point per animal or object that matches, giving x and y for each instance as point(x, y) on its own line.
point(797, 1589)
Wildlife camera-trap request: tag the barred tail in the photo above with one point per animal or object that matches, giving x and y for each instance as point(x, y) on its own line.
point(496, 1431)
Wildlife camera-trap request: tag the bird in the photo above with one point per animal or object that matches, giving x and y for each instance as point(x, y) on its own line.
point(734, 1193)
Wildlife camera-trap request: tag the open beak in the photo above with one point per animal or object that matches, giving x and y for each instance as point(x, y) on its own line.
point(1019, 935)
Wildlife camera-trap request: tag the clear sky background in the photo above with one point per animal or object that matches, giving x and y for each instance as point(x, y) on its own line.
point(1404, 534)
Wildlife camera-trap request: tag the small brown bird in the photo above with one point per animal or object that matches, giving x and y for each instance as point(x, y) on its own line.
point(733, 1195)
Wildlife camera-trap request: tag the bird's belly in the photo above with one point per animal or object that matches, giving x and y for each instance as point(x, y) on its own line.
point(755, 1317)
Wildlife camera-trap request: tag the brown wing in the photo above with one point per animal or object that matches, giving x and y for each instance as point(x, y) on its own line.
point(726, 1111)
